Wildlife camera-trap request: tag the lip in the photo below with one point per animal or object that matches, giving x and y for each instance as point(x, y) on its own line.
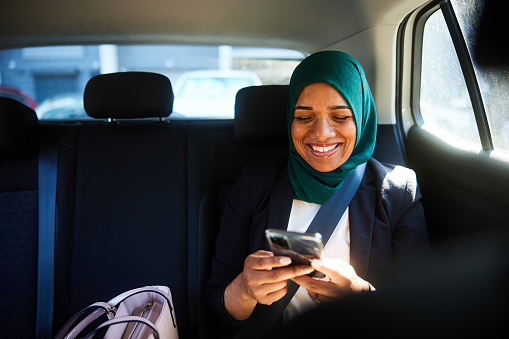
point(316, 149)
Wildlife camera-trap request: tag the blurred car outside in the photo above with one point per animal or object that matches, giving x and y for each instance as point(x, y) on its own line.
point(62, 106)
point(17, 94)
point(210, 93)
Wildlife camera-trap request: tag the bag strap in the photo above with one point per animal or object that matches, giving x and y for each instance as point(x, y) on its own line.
point(126, 319)
point(47, 178)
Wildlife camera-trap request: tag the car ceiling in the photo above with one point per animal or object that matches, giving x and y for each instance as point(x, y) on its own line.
point(304, 25)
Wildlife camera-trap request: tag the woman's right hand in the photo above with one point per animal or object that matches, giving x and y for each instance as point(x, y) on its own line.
point(259, 283)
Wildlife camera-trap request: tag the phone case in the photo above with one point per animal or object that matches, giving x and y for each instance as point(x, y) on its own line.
point(300, 247)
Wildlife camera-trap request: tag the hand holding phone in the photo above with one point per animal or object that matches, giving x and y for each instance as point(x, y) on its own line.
point(300, 247)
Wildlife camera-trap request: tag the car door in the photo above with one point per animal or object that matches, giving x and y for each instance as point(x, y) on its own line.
point(454, 111)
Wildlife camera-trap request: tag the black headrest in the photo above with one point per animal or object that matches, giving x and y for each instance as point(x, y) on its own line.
point(15, 119)
point(260, 115)
point(128, 95)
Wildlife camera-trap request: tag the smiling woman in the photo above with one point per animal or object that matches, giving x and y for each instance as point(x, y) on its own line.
point(323, 129)
point(345, 77)
point(332, 127)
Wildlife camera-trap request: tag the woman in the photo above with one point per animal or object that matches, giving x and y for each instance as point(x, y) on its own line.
point(332, 131)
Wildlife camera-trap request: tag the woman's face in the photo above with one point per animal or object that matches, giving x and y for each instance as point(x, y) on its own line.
point(323, 128)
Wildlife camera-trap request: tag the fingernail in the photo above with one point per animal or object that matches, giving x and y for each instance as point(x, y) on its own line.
point(317, 262)
point(285, 261)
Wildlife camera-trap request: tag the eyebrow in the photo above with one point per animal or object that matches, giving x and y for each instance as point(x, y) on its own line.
point(308, 108)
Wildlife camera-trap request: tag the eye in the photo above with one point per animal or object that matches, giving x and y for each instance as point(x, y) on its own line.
point(302, 118)
point(342, 118)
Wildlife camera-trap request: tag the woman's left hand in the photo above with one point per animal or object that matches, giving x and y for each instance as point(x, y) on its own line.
point(342, 280)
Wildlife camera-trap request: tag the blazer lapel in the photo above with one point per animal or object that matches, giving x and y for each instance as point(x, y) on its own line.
point(280, 202)
point(361, 214)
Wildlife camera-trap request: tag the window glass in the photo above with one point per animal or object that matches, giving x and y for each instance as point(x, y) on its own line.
point(205, 79)
point(493, 82)
point(444, 100)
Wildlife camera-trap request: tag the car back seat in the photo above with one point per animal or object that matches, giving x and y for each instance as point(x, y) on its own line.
point(18, 220)
point(139, 201)
point(130, 217)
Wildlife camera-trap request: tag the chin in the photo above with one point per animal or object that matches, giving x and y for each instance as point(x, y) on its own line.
point(324, 168)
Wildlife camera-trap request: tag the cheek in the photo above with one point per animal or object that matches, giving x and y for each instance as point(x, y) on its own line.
point(296, 134)
point(351, 133)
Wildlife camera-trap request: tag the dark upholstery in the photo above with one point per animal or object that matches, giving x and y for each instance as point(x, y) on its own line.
point(129, 227)
point(18, 263)
point(18, 220)
point(15, 120)
point(260, 115)
point(128, 95)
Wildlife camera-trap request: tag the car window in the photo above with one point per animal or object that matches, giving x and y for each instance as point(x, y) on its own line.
point(211, 92)
point(212, 87)
point(205, 79)
point(445, 102)
point(493, 82)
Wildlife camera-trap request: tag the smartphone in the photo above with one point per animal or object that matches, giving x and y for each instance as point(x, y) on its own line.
point(300, 247)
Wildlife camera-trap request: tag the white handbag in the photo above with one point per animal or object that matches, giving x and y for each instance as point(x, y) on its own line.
point(141, 313)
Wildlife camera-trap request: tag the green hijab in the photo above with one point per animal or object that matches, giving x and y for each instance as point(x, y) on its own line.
point(346, 75)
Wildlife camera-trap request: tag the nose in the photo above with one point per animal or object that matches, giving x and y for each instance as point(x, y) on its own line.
point(322, 129)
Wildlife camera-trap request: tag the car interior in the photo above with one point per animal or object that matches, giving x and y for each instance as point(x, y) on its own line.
point(132, 194)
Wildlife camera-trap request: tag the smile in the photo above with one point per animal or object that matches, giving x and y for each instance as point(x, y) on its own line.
point(324, 149)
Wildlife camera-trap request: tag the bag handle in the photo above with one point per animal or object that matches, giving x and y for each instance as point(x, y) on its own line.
point(126, 319)
point(70, 332)
point(121, 297)
point(110, 310)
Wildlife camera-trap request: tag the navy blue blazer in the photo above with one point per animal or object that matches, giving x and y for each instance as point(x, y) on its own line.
point(387, 230)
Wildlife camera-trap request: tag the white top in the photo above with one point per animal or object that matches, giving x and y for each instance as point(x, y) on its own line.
point(338, 247)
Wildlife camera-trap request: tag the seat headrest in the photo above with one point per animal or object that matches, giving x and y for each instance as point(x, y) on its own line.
point(260, 115)
point(15, 119)
point(128, 95)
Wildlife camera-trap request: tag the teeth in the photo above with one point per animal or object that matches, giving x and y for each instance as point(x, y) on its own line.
point(324, 149)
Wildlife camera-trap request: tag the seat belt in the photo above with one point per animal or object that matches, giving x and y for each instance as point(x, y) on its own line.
point(331, 211)
point(324, 222)
point(329, 214)
point(48, 162)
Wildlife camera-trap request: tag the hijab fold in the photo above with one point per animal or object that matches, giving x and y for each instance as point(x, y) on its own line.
point(346, 75)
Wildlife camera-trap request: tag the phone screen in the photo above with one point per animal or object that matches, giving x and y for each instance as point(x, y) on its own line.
point(300, 247)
